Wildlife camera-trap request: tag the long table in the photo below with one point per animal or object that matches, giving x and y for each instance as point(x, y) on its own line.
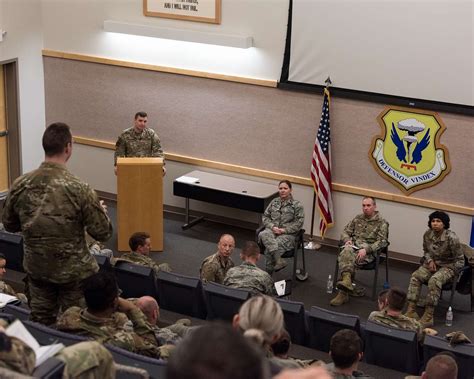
point(224, 190)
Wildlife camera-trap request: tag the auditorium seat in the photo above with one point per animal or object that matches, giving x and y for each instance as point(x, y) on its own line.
point(181, 294)
point(19, 311)
point(11, 246)
point(135, 280)
point(223, 302)
point(295, 320)
point(323, 324)
point(47, 336)
point(392, 348)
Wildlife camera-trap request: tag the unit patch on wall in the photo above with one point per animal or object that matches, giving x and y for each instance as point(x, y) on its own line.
point(192, 10)
point(408, 153)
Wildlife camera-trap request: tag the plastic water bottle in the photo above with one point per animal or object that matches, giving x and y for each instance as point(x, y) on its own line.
point(449, 317)
point(330, 284)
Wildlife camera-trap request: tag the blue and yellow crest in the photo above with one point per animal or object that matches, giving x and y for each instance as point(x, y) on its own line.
point(409, 154)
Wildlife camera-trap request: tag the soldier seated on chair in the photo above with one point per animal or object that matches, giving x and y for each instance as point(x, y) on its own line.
point(282, 219)
point(215, 266)
point(6, 288)
point(443, 257)
point(140, 245)
point(366, 234)
point(391, 316)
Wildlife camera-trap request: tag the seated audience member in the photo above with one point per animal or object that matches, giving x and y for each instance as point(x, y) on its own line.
point(345, 350)
point(392, 316)
point(248, 276)
point(362, 238)
point(83, 360)
point(216, 351)
point(214, 267)
point(98, 248)
point(260, 319)
point(280, 349)
point(382, 299)
point(103, 319)
point(443, 256)
point(282, 219)
point(441, 366)
point(171, 334)
point(4, 287)
point(140, 244)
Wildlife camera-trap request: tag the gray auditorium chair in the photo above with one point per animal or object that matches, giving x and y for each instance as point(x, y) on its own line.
point(223, 302)
point(295, 320)
point(135, 280)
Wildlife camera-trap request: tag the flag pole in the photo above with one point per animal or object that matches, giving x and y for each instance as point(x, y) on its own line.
point(311, 244)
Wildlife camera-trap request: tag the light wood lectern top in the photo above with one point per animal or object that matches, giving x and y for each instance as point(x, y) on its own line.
point(140, 200)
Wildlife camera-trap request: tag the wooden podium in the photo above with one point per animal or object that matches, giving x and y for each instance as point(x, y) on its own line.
point(140, 200)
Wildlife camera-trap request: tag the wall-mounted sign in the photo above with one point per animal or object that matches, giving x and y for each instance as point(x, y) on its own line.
point(409, 153)
point(192, 10)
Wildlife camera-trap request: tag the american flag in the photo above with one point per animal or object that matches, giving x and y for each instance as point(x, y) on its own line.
point(321, 168)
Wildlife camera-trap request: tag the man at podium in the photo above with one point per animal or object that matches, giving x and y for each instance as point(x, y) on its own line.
point(138, 141)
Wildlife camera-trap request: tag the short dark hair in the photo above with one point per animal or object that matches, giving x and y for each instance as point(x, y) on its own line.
point(371, 198)
point(195, 356)
point(345, 347)
point(396, 298)
point(137, 239)
point(250, 249)
point(2, 256)
point(140, 114)
point(282, 345)
point(443, 216)
point(55, 138)
point(100, 291)
point(287, 182)
point(441, 366)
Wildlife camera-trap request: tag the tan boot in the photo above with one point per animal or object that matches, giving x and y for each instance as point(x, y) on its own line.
point(341, 298)
point(427, 318)
point(345, 284)
point(280, 264)
point(411, 311)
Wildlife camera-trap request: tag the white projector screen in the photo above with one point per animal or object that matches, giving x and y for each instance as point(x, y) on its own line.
point(418, 49)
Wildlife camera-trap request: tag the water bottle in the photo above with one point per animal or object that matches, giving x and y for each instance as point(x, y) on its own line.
point(329, 285)
point(386, 286)
point(449, 317)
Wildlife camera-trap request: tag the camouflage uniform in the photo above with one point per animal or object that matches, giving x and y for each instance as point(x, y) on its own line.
point(370, 234)
point(214, 268)
point(20, 358)
point(287, 214)
point(400, 322)
point(53, 208)
point(143, 260)
point(249, 277)
point(8, 290)
point(111, 330)
point(335, 375)
point(447, 253)
point(138, 144)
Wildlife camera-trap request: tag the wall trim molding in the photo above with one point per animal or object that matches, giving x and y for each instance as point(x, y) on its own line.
point(150, 67)
point(294, 179)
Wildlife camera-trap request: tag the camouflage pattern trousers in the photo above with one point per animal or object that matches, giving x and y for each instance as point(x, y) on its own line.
point(275, 245)
point(347, 260)
point(434, 280)
point(46, 299)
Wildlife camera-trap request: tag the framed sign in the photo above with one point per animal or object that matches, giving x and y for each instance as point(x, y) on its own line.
point(191, 10)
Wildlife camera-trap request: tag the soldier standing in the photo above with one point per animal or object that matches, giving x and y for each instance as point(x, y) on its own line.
point(362, 238)
point(443, 257)
point(138, 141)
point(215, 267)
point(283, 218)
point(53, 208)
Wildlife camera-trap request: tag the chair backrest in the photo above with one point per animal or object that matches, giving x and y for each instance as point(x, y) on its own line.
point(135, 280)
point(323, 324)
point(156, 368)
point(392, 348)
point(52, 368)
point(18, 311)
point(223, 302)
point(464, 353)
point(47, 336)
point(104, 262)
point(11, 245)
point(295, 320)
point(181, 294)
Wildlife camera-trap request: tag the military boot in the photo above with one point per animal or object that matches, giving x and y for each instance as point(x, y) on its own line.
point(427, 318)
point(280, 264)
point(341, 298)
point(411, 311)
point(345, 284)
